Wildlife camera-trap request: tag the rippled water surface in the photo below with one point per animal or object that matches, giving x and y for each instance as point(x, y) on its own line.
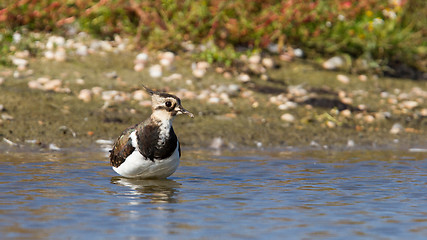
point(231, 195)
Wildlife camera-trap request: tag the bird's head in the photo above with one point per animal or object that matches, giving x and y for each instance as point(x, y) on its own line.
point(166, 106)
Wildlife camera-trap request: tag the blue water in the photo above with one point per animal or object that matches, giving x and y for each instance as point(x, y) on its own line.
point(227, 195)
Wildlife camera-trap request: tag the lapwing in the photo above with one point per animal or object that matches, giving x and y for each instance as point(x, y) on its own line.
point(150, 149)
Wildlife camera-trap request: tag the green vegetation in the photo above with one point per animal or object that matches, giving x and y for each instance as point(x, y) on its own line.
point(374, 33)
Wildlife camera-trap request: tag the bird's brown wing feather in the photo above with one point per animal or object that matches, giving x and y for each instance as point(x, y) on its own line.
point(122, 148)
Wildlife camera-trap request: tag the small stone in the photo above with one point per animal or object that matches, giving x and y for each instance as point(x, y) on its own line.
point(363, 78)
point(396, 128)
point(155, 71)
point(199, 73)
point(410, 104)
point(343, 79)
point(202, 65)
point(145, 103)
point(334, 63)
point(9, 142)
point(423, 112)
point(138, 95)
point(264, 77)
point(85, 95)
point(167, 55)
point(82, 50)
point(268, 62)
point(53, 85)
point(287, 105)
point(138, 67)
point(362, 107)
point(80, 81)
point(255, 59)
point(112, 74)
point(165, 62)
point(53, 147)
point(142, 57)
point(214, 100)
point(346, 113)
point(243, 77)
point(255, 104)
point(287, 117)
point(6, 117)
point(60, 55)
point(227, 75)
point(216, 143)
point(49, 54)
point(35, 85)
point(369, 119)
point(19, 61)
point(350, 143)
point(331, 124)
point(97, 91)
point(298, 52)
point(1, 80)
point(347, 100)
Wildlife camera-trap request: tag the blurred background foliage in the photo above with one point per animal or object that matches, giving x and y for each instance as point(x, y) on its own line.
point(377, 34)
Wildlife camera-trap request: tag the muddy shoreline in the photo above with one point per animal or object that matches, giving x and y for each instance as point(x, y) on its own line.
point(296, 105)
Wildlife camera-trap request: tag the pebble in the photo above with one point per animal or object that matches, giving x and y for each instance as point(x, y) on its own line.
point(138, 67)
point(288, 105)
point(254, 59)
point(396, 128)
point(10, 142)
point(141, 58)
point(334, 63)
point(350, 143)
point(49, 55)
point(20, 62)
point(97, 91)
point(268, 62)
point(287, 117)
point(363, 78)
point(60, 55)
point(82, 50)
point(409, 104)
point(331, 124)
point(298, 52)
point(80, 81)
point(199, 73)
point(155, 71)
point(216, 143)
point(53, 147)
point(53, 85)
point(369, 119)
point(138, 95)
point(346, 113)
point(1, 80)
point(6, 117)
point(343, 79)
point(104, 142)
point(85, 95)
point(243, 77)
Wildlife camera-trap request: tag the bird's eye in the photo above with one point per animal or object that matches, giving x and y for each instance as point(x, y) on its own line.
point(168, 104)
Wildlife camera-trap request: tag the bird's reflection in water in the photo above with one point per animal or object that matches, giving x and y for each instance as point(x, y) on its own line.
point(154, 190)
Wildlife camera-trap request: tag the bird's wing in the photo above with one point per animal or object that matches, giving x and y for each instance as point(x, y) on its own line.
point(122, 148)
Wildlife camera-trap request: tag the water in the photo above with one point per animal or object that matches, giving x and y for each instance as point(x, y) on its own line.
point(232, 195)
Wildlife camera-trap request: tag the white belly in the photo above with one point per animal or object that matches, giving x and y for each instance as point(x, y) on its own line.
point(137, 166)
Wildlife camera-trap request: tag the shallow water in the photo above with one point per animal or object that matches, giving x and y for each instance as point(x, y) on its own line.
point(230, 195)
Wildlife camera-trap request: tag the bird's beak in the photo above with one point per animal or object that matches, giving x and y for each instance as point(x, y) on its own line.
point(182, 110)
